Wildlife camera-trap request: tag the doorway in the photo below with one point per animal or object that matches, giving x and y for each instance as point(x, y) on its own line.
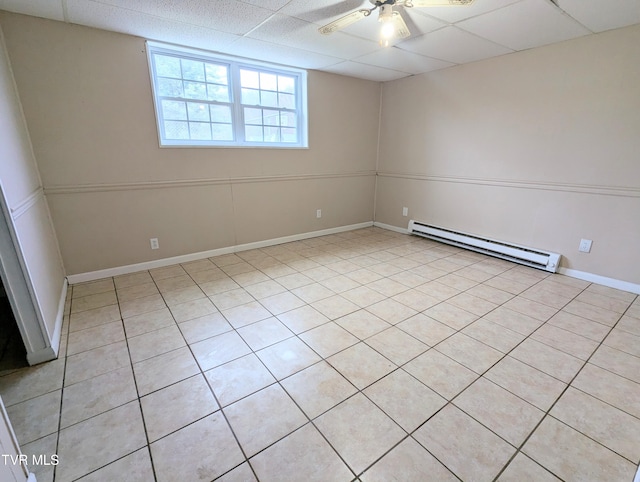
point(13, 354)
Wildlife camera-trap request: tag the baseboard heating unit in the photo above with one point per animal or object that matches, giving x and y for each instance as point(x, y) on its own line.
point(534, 258)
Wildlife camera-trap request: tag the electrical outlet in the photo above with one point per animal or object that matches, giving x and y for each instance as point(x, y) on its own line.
point(585, 246)
point(154, 243)
point(405, 211)
point(318, 213)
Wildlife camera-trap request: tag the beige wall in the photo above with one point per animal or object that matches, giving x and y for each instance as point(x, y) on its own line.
point(538, 148)
point(88, 104)
point(28, 216)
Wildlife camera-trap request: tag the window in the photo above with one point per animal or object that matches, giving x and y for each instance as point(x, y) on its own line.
point(204, 100)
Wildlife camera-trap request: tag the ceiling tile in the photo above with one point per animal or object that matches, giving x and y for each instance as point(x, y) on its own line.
point(524, 25)
point(453, 45)
point(402, 60)
point(51, 9)
point(297, 33)
point(116, 19)
point(456, 13)
point(231, 16)
point(598, 16)
point(322, 12)
point(369, 72)
point(279, 54)
point(273, 5)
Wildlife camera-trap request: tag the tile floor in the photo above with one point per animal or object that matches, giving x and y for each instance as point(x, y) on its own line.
point(367, 355)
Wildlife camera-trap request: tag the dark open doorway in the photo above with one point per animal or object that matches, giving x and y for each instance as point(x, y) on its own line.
point(13, 354)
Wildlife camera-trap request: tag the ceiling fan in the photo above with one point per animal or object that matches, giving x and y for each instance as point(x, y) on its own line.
point(392, 24)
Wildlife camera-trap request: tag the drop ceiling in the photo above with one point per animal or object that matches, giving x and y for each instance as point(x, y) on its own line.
point(286, 31)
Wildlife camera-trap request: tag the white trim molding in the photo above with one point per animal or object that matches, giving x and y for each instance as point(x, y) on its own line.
point(389, 227)
point(601, 280)
point(160, 263)
point(27, 203)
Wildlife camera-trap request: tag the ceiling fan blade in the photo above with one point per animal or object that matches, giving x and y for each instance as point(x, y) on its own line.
point(402, 31)
point(436, 3)
point(345, 21)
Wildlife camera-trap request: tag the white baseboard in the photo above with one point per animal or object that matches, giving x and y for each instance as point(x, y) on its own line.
point(160, 263)
point(391, 228)
point(601, 280)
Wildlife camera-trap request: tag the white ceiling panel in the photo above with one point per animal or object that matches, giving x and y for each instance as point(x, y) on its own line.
point(456, 13)
point(297, 33)
point(51, 9)
point(231, 16)
point(598, 16)
point(368, 72)
point(402, 60)
point(147, 26)
point(286, 31)
point(524, 25)
point(281, 54)
point(454, 45)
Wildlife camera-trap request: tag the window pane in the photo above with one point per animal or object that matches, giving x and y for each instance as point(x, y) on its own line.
point(198, 112)
point(222, 132)
point(287, 101)
point(216, 74)
point(219, 93)
point(170, 88)
point(253, 133)
point(286, 84)
point(288, 119)
point(272, 134)
point(195, 90)
point(252, 116)
point(173, 110)
point(250, 97)
point(268, 81)
point(200, 131)
point(269, 99)
point(176, 130)
point(271, 117)
point(192, 70)
point(250, 79)
point(220, 113)
point(167, 66)
point(289, 135)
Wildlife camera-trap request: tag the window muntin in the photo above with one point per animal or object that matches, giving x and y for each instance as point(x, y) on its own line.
point(207, 101)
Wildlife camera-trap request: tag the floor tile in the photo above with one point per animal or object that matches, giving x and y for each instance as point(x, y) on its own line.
point(601, 422)
point(318, 388)
point(137, 291)
point(246, 314)
point(94, 317)
point(96, 395)
point(451, 315)
point(580, 326)
point(167, 272)
point(566, 341)
point(219, 286)
point(302, 319)
point(137, 466)
point(199, 329)
point(465, 447)
point(339, 284)
point(174, 283)
point(192, 309)
point(294, 280)
point(84, 448)
point(132, 279)
point(359, 431)
point(306, 452)
point(242, 473)
point(490, 293)
point(155, 343)
point(406, 400)
point(313, 292)
point(530, 384)
point(328, 339)
point(573, 456)
point(437, 290)
point(396, 345)
point(469, 352)
point(593, 313)
point(513, 320)
point(604, 301)
point(618, 362)
point(147, 322)
point(499, 410)
point(391, 311)
point(523, 469)
point(472, 304)
point(94, 287)
point(335, 307)
point(281, 303)
point(408, 461)
point(265, 289)
point(415, 299)
point(231, 299)
point(90, 338)
point(361, 365)
point(440, 373)
point(43, 449)
point(426, 329)
point(219, 349)
point(263, 333)
point(182, 295)
point(176, 457)
point(547, 359)
point(531, 308)
point(158, 372)
point(362, 324)
point(176, 406)
point(287, 357)
point(494, 335)
point(36, 417)
point(277, 413)
point(33, 381)
point(93, 301)
point(623, 341)
point(238, 378)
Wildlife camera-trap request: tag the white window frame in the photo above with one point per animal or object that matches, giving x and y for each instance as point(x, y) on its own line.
point(234, 65)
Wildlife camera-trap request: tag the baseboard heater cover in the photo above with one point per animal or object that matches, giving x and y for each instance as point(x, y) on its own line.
point(534, 258)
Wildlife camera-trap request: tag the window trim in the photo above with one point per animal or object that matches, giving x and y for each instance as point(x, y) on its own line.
point(234, 65)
